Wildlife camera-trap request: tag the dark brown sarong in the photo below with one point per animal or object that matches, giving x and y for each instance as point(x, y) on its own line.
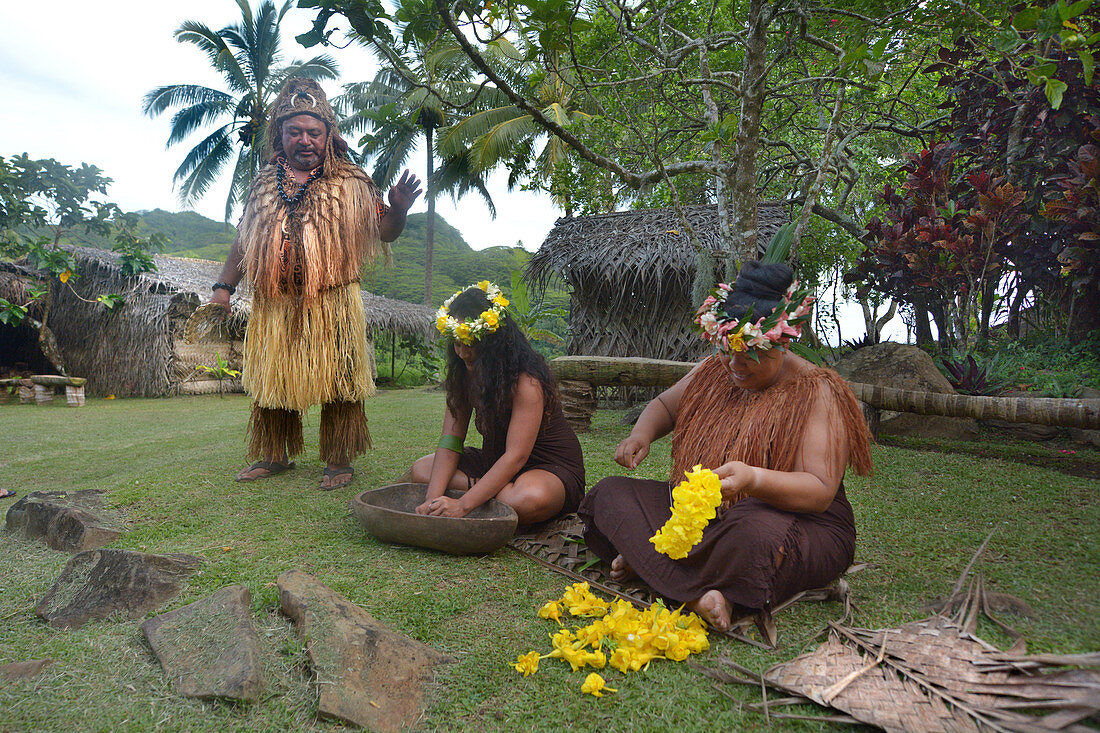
point(556, 450)
point(754, 554)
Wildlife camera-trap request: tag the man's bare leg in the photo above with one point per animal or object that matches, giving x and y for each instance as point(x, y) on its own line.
point(714, 608)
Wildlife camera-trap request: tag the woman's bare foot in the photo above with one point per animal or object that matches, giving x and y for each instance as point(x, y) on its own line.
point(714, 608)
point(620, 571)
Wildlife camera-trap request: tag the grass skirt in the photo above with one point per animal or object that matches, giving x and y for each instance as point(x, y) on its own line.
point(297, 355)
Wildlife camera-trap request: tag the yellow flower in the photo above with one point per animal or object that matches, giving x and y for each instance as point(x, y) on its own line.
point(595, 685)
point(462, 333)
point(484, 285)
point(694, 504)
point(441, 324)
point(528, 663)
point(736, 341)
point(490, 318)
point(551, 610)
point(501, 301)
point(64, 277)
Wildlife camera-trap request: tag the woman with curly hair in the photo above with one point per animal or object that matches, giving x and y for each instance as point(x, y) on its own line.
point(530, 458)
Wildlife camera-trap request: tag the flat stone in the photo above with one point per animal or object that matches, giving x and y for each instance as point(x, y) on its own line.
point(368, 674)
point(1025, 431)
point(1084, 437)
point(69, 521)
point(209, 649)
point(23, 670)
point(98, 583)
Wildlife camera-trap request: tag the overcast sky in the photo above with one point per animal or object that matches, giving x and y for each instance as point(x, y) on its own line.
point(73, 74)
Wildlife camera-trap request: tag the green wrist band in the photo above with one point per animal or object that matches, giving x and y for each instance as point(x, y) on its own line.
point(452, 443)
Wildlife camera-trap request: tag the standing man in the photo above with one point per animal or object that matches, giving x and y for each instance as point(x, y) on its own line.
point(310, 220)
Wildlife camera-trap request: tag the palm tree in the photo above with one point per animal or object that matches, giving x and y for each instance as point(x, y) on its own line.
point(247, 56)
point(402, 103)
point(502, 134)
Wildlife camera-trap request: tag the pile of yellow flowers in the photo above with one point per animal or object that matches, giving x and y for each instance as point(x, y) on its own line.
point(623, 637)
point(694, 503)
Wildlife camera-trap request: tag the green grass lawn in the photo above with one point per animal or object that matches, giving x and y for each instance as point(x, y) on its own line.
point(168, 466)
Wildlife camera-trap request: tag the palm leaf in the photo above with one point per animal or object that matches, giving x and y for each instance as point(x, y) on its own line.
point(189, 119)
point(203, 163)
point(177, 95)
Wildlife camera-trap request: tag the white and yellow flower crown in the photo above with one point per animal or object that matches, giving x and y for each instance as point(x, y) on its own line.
point(471, 330)
point(731, 335)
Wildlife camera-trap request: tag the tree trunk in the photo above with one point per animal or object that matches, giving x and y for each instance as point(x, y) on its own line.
point(920, 322)
point(743, 199)
point(989, 293)
point(1071, 413)
point(429, 239)
point(822, 168)
point(627, 371)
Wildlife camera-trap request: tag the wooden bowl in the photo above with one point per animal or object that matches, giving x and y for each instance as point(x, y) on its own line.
point(389, 514)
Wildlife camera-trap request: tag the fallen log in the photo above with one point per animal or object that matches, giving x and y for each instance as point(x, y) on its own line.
point(54, 380)
point(611, 371)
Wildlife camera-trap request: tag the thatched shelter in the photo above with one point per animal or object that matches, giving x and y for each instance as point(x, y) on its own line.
point(630, 273)
point(139, 348)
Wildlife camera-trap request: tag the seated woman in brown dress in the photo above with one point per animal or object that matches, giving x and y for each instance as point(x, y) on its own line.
point(776, 429)
point(530, 457)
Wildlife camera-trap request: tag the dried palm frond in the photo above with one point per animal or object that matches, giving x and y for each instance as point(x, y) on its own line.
point(936, 674)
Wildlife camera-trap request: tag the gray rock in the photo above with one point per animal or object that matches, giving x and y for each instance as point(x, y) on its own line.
point(209, 649)
point(23, 670)
point(1085, 437)
point(99, 583)
point(1088, 393)
point(67, 521)
point(905, 367)
point(1024, 430)
point(368, 674)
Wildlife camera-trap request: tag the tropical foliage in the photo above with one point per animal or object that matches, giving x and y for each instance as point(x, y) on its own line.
point(1004, 211)
point(248, 57)
point(44, 203)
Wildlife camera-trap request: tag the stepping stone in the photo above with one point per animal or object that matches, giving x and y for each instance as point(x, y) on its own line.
point(99, 583)
point(209, 649)
point(368, 674)
point(69, 521)
point(23, 670)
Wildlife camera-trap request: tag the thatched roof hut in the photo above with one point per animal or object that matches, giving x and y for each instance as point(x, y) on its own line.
point(139, 349)
point(630, 273)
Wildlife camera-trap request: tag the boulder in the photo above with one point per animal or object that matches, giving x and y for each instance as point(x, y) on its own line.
point(69, 521)
point(209, 649)
point(369, 674)
point(905, 367)
point(99, 583)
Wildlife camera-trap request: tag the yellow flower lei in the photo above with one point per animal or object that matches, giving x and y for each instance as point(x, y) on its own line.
point(469, 331)
point(632, 638)
point(694, 503)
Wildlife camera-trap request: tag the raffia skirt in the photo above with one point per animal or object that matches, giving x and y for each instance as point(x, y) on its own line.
point(294, 360)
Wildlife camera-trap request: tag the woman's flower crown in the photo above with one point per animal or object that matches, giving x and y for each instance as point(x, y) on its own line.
point(734, 335)
point(471, 330)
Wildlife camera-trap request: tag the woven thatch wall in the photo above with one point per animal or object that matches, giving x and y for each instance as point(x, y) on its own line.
point(630, 274)
point(139, 349)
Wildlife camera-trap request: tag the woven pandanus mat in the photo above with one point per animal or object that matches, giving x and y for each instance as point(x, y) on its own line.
point(559, 545)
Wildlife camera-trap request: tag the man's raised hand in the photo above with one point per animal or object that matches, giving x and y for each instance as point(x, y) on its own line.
point(405, 191)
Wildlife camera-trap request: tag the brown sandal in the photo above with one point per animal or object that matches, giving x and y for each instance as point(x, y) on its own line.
point(273, 468)
point(332, 473)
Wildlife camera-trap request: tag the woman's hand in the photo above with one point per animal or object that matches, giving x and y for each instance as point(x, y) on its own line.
point(631, 452)
point(445, 506)
point(738, 479)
